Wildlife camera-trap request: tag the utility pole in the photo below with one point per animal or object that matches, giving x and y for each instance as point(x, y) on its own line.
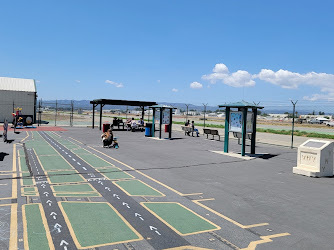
point(187, 112)
point(204, 111)
point(293, 120)
point(56, 113)
point(72, 112)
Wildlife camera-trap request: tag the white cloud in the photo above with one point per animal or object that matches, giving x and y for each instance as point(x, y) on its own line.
point(175, 90)
point(117, 85)
point(221, 73)
point(291, 80)
point(196, 85)
point(78, 81)
point(158, 81)
point(319, 97)
point(283, 78)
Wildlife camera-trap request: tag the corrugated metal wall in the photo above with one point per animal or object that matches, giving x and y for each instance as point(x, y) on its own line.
point(10, 99)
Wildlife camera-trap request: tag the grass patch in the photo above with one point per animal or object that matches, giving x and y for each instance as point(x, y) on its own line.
point(272, 131)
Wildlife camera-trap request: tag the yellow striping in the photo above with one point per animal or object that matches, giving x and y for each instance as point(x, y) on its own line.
point(75, 140)
point(14, 180)
point(192, 194)
point(13, 226)
point(25, 137)
point(225, 217)
point(187, 248)
point(265, 239)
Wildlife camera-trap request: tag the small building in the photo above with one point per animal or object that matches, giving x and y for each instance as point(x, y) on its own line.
point(17, 93)
point(280, 116)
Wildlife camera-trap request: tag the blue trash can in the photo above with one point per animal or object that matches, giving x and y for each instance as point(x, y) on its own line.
point(148, 128)
point(148, 132)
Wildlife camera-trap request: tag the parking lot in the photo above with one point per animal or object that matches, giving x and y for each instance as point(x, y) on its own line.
point(156, 194)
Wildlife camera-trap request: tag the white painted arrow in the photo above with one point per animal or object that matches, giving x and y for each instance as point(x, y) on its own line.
point(83, 168)
point(79, 163)
point(138, 215)
point(63, 242)
point(58, 227)
point(49, 202)
point(54, 215)
point(43, 185)
point(46, 194)
point(126, 204)
point(108, 188)
point(73, 159)
point(155, 229)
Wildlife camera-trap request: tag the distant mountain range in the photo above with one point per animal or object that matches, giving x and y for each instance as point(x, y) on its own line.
point(85, 104)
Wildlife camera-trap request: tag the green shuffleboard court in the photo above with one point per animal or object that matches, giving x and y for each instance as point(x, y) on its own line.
point(21, 152)
point(27, 180)
point(96, 229)
point(41, 148)
point(76, 188)
point(94, 161)
point(137, 188)
point(54, 162)
point(23, 164)
point(115, 174)
point(91, 194)
point(80, 151)
point(35, 236)
point(179, 218)
point(64, 177)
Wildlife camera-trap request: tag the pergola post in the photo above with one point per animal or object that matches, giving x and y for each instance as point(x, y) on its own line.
point(254, 131)
point(160, 123)
point(170, 122)
point(101, 106)
point(142, 112)
point(93, 115)
point(227, 122)
point(153, 121)
point(244, 123)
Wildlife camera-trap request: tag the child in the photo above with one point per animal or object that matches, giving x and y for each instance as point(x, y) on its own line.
point(107, 138)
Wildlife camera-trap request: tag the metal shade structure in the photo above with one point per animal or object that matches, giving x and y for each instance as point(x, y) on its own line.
point(242, 107)
point(102, 102)
point(165, 116)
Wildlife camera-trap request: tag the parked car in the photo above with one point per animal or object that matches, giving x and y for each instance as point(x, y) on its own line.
point(330, 124)
point(314, 121)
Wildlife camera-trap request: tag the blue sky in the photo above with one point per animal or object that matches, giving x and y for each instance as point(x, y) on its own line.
point(171, 51)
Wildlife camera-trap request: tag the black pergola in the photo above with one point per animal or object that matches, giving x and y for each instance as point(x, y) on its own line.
point(103, 102)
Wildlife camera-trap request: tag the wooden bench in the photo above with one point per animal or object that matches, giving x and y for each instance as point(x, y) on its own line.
point(212, 132)
point(188, 130)
point(239, 136)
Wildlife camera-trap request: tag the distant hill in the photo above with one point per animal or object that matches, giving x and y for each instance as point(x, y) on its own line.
point(84, 104)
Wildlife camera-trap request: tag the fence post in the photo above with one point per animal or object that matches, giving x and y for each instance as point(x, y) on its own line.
point(204, 111)
point(187, 112)
point(293, 120)
point(56, 113)
point(71, 115)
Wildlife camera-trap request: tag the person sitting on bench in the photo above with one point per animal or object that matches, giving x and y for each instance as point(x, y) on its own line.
point(195, 129)
point(134, 125)
point(107, 138)
point(187, 124)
